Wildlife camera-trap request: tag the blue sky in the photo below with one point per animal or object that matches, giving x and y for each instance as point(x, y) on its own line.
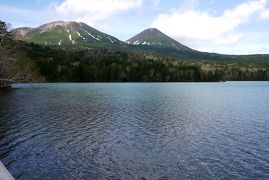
point(229, 27)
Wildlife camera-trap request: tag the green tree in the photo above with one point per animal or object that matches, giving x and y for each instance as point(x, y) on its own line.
point(5, 60)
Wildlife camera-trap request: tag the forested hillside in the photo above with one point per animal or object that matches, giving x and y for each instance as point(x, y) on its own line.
point(108, 65)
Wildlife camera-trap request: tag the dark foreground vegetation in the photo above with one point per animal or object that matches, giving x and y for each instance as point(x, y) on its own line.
point(28, 62)
point(15, 64)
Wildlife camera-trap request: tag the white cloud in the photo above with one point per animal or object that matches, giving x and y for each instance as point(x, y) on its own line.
point(200, 28)
point(228, 40)
point(94, 10)
point(265, 14)
point(248, 48)
point(263, 49)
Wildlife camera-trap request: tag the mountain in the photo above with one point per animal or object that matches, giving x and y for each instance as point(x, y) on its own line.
point(154, 37)
point(61, 33)
point(78, 34)
point(154, 41)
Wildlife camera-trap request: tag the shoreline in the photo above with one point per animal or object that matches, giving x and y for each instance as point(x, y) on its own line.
point(4, 83)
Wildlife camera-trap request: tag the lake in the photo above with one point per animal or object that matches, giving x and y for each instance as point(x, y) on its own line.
point(136, 130)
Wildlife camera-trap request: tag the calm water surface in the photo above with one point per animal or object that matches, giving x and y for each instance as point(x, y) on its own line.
point(136, 131)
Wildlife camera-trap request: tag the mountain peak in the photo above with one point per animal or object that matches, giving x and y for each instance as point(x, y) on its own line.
point(152, 30)
point(58, 23)
point(64, 33)
point(154, 37)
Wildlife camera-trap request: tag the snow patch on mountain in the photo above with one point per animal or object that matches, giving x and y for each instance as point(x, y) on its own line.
point(44, 30)
point(137, 42)
point(70, 36)
point(92, 36)
point(81, 36)
point(110, 39)
point(60, 42)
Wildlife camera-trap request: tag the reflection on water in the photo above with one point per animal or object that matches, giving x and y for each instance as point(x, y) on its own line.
point(136, 131)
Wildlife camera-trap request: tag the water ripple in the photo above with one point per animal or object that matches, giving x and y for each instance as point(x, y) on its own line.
point(136, 131)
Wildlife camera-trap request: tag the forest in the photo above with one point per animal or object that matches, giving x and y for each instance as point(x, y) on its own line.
point(108, 65)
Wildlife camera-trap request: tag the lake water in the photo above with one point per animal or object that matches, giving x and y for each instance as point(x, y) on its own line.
point(136, 130)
